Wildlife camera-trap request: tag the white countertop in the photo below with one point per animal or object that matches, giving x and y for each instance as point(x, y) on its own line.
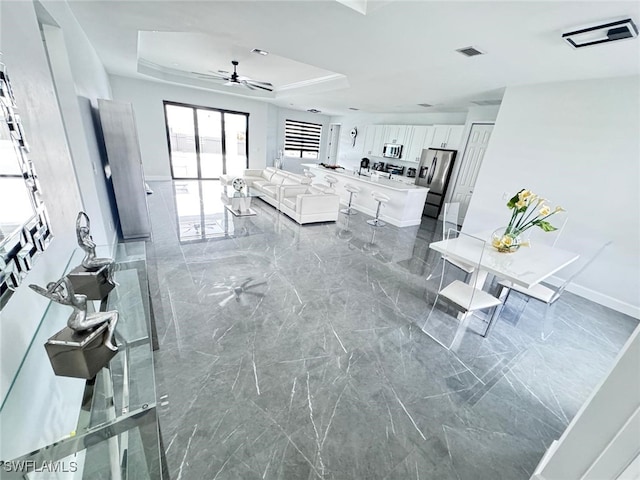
point(383, 182)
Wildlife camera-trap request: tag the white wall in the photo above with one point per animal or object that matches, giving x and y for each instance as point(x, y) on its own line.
point(575, 143)
point(24, 55)
point(266, 122)
point(66, 45)
point(147, 97)
point(604, 424)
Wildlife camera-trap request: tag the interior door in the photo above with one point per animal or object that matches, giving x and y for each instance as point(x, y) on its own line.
point(470, 165)
point(334, 140)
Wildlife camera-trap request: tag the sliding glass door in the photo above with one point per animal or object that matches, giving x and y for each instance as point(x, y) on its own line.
point(205, 143)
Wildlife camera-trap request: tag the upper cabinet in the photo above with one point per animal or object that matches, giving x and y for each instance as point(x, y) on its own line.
point(396, 134)
point(418, 138)
point(447, 136)
point(373, 140)
point(413, 138)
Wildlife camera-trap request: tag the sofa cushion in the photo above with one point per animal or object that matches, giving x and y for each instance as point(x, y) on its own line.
point(318, 189)
point(289, 180)
point(278, 178)
point(267, 173)
point(260, 183)
point(271, 190)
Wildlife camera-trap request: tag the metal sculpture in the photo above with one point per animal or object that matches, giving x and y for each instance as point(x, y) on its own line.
point(90, 261)
point(80, 321)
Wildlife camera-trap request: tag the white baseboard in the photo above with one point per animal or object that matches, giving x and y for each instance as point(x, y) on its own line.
point(157, 178)
point(600, 298)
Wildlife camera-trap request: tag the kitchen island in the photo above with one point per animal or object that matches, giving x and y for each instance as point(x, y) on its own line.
point(404, 208)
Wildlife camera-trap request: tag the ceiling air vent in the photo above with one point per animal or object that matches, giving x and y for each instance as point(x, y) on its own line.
point(425, 105)
point(470, 51)
point(606, 32)
point(354, 109)
point(313, 110)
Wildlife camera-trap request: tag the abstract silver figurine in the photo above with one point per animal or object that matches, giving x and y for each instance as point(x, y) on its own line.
point(90, 261)
point(62, 292)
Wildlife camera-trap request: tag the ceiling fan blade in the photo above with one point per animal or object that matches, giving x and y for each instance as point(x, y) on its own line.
point(244, 82)
point(257, 294)
point(227, 300)
point(268, 89)
point(264, 84)
point(213, 75)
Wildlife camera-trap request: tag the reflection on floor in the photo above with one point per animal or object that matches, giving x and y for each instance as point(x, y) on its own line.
point(292, 352)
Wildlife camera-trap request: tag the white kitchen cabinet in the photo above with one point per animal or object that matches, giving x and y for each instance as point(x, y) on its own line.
point(447, 136)
point(395, 134)
point(418, 138)
point(373, 140)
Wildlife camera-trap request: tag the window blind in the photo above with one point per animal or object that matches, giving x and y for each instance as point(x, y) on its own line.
point(302, 139)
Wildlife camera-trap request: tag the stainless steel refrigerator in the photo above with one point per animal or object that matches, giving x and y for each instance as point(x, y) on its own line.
point(434, 172)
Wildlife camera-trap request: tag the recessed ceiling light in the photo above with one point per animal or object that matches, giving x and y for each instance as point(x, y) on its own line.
point(607, 32)
point(425, 105)
point(354, 109)
point(470, 51)
point(313, 110)
point(259, 52)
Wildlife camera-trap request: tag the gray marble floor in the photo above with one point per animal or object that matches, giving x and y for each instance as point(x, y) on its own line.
point(294, 352)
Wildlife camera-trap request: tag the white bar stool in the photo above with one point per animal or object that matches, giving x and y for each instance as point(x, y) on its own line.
point(352, 189)
point(380, 198)
point(331, 180)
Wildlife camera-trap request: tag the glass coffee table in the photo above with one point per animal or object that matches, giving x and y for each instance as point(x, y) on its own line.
point(239, 201)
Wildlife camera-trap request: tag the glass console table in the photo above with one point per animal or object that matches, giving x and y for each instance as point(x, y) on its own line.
point(106, 427)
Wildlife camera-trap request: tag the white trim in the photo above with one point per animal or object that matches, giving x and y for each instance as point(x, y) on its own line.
point(616, 454)
point(599, 298)
point(334, 77)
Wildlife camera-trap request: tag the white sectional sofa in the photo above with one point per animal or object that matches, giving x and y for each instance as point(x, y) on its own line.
point(292, 194)
point(308, 204)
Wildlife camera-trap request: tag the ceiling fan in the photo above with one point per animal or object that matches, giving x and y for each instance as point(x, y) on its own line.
point(233, 79)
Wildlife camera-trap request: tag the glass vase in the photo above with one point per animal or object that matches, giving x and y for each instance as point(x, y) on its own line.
point(506, 239)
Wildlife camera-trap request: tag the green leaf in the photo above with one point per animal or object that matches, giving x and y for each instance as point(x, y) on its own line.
point(512, 203)
point(544, 225)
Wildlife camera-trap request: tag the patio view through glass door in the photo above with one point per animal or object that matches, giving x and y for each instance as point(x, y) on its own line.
point(205, 143)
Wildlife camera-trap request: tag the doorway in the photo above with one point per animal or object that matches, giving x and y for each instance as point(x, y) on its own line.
point(205, 143)
point(470, 165)
point(334, 140)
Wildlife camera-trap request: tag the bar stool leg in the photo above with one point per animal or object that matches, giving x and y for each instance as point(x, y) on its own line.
point(349, 210)
point(376, 222)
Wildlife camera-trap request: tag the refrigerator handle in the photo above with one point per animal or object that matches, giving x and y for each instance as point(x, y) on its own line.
point(432, 169)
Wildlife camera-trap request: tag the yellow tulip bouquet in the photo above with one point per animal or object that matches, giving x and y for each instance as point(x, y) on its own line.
point(528, 210)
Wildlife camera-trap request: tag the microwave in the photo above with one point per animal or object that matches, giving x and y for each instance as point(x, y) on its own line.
point(391, 150)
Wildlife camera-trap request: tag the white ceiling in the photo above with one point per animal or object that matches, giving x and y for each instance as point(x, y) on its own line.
point(327, 55)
